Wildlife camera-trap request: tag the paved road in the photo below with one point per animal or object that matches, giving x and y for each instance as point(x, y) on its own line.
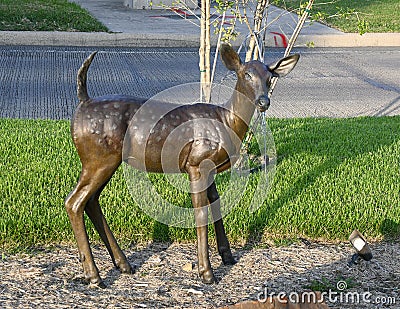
point(39, 82)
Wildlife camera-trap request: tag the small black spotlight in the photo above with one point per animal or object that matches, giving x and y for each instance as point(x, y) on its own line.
point(360, 244)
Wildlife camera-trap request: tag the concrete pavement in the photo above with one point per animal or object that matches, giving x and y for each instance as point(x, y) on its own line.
point(164, 28)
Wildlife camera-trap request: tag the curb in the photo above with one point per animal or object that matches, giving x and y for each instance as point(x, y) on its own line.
point(352, 40)
point(102, 39)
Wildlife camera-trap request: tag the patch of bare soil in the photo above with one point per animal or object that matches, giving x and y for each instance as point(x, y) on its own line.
point(164, 278)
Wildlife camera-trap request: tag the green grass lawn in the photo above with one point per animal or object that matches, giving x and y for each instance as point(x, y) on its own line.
point(46, 15)
point(377, 15)
point(333, 176)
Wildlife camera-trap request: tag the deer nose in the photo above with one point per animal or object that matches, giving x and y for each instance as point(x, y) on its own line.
point(262, 103)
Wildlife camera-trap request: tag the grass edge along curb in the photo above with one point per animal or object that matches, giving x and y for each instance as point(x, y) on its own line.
point(47, 15)
point(376, 16)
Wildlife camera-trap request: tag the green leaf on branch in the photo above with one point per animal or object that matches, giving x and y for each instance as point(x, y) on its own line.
point(224, 5)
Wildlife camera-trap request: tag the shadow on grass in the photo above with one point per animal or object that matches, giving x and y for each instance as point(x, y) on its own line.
point(333, 142)
point(390, 229)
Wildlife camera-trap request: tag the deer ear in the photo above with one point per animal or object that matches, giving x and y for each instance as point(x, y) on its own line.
point(230, 58)
point(284, 66)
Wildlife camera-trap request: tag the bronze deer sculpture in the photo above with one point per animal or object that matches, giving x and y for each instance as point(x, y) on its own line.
point(100, 125)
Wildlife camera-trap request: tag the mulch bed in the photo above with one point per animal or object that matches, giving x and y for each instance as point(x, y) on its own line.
point(52, 278)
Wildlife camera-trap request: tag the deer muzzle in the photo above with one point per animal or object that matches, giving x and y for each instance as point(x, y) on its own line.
point(262, 103)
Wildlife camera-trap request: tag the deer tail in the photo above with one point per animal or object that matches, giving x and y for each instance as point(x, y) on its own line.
point(81, 89)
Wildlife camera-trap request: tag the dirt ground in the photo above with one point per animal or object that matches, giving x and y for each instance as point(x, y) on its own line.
point(52, 278)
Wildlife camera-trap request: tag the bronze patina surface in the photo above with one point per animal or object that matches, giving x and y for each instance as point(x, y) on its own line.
point(112, 128)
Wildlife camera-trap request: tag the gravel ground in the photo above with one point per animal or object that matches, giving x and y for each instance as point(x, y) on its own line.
point(51, 278)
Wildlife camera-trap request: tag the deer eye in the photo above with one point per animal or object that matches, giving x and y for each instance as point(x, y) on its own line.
point(248, 76)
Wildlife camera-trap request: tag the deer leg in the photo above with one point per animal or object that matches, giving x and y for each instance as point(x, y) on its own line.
point(95, 214)
point(224, 249)
point(200, 205)
point(91, 179)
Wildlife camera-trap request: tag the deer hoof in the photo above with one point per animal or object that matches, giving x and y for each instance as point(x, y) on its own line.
point(230, 261)
point(227, 258)
point(96, 283)
point(208, 277)
point(126, 268)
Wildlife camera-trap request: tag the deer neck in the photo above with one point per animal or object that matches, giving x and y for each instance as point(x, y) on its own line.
point(240, 110)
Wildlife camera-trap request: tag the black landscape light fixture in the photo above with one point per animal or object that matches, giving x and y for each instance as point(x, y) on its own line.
point(360, 244)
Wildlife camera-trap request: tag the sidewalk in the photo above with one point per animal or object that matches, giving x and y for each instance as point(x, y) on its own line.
point(163, 28)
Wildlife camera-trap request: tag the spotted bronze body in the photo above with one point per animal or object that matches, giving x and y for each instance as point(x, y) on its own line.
point(107, 129)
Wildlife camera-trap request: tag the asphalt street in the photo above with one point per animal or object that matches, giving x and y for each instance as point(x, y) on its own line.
point(39, 82)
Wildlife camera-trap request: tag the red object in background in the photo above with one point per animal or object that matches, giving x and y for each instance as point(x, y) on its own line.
point(283, 38)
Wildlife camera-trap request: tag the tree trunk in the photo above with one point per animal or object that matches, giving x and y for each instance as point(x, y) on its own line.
point(204, 52)
point(252, 51)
